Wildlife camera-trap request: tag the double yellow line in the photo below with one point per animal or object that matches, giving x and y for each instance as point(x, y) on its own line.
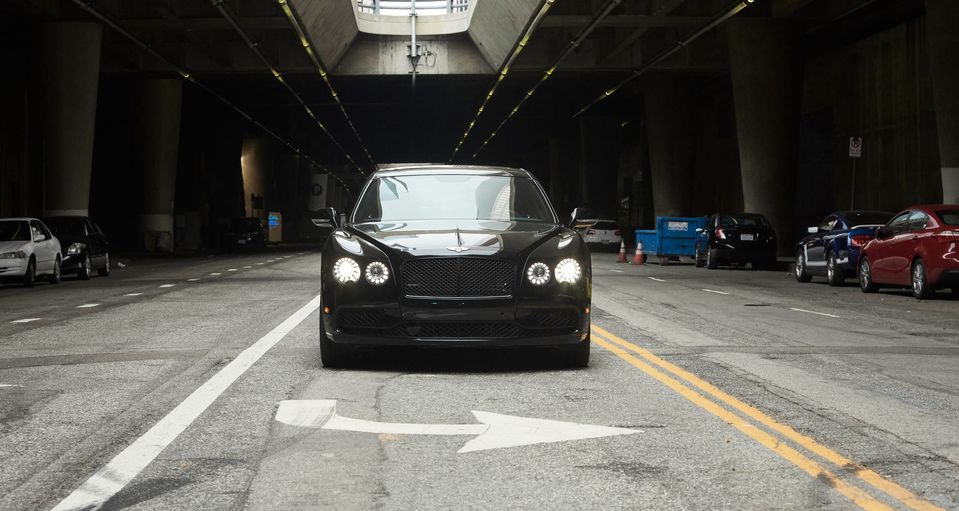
point(682, 381)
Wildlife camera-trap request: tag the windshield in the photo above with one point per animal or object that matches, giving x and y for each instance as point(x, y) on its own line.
point(950, 217)
point(65, 226)
point(14, 231)
point(867, 218)
point(453, 197)
point(744, 219)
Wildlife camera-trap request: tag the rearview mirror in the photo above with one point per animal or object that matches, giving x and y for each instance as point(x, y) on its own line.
point(325, 217)
point(812, 230)
point(581, 218)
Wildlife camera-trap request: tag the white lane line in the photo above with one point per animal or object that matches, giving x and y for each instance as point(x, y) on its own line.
point(215, 274)
point(657, 280)
point(814, 312)
point(88, 305)
point(232, 269)
point(133, 294)
point(247, 267)
point(167, 285)
point(269, 260)
point(26, 320)
point(193, 280)
point(9, 386)
point(617, 271)
point(714, 291)
point(116, 474)
point(260, 264)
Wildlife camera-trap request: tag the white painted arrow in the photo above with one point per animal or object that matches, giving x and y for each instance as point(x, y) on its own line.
point(495, 431)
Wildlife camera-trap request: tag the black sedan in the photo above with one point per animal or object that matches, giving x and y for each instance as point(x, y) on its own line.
point(454, 256)
point(736, 238)
point(832, 248)
point(245, 233)
point(85, 247)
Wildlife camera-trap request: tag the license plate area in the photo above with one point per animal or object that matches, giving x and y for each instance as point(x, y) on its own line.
point(747, 237)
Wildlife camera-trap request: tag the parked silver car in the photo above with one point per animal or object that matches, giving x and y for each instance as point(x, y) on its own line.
point(28, 250)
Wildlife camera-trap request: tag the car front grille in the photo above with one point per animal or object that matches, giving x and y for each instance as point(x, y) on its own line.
point(458, 277)
point(556, 319)
point(457, 330)
point(361, 318)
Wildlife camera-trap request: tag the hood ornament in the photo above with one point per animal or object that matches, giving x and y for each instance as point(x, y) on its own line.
point(459, 243)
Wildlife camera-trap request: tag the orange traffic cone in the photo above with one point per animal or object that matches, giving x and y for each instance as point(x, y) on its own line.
point(638, 256)
point(621, 258)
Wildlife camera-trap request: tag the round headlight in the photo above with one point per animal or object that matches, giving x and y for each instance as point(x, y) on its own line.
point(538, 274)
point(75, 248)
point(377, 273)
point(568, 271)
point(346, 270)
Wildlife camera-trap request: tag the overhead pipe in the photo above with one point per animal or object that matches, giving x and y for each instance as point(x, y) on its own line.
point(186, 75)
point(681, 44)
point(570, 48)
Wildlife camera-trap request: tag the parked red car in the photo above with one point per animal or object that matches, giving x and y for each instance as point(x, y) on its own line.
point(918, 248)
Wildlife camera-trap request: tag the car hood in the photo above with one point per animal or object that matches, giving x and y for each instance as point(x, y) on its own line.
point(13, 246)
point(452, 237)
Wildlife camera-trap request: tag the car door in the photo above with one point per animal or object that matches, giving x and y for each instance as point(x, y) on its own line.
point(92, 240)
point(816, 245)
point(44, 248)
point(101, 241)
point(882, 255)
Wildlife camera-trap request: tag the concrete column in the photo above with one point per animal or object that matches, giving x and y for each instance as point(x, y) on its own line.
point(671, 133)
point(68, 76)
point(942, 18)
point(158, 142)
point(766, 70)
point(256, 162)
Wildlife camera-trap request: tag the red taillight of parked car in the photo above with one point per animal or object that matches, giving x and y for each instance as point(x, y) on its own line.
point(590, 232)
point(948, 237)
point(859, 240)
point(720, 234)
point(617, 233)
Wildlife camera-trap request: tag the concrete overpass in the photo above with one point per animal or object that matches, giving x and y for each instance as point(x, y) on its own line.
point(169, 116)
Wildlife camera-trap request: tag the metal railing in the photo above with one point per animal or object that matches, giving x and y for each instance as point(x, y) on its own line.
point(405, 7)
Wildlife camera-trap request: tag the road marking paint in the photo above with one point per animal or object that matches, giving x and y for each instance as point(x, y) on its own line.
point(9, 386)
point(260, 264)
point(716, 292)
point(192, 280)
point(853, 493)
point(657, 280)
point(247, 267)
point(867, 475)
point(133, 294)
point(617, 271)
point(232, 269)
point(167, 285)
point(116, 474)
point(215, 274)
point(88, 305)
point(26, 320)
point(494, 431)
point(269, 260)
point(814, 312)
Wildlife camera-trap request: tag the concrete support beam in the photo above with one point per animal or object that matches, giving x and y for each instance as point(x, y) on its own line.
point(256, 162)
point(331, 26)
point(496, 25)
point(158, 143)
point(942, 18)
point(69, 68)
point(671, 133)
point(766, 67)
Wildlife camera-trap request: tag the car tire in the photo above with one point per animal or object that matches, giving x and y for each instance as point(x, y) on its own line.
point(578, 356)
point(802, 274)
point(920, 286)
point(663, 261)
point(30, 276)
point(864, 274)
point(54, 278)
point(711, 262)
point(834, 275)
point(699, 260)
point(331, 354)
point(86, 269)
point(105, 271)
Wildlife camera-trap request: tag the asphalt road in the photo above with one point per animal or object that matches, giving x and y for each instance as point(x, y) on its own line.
point(196, 384)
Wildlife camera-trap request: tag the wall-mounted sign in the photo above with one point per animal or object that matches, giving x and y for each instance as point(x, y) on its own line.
point(318, 192)
point(275, 227)
point(855, 147)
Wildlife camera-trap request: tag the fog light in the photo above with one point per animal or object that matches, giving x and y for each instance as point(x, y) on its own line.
point(568, 271)
point(538, 274)
point(377, 273)
point(346, 271)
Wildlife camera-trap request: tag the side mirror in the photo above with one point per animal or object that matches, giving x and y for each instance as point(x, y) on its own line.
point(883, 232)
point(812, 230)
point(37, 238)
point(580, 218)
point(700, 230)
point(325, 217)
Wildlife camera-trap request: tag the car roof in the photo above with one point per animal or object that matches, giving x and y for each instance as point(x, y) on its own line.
point(18, 219)
point(427, 169)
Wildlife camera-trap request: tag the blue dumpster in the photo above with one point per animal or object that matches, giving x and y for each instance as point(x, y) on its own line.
point(673, 237)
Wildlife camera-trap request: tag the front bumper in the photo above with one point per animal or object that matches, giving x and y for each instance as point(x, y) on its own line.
point(12, 268)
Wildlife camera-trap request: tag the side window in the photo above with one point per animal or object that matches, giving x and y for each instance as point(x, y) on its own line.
point(828, 224)
point(918, 221)
point(899, 224)
point(38, 230)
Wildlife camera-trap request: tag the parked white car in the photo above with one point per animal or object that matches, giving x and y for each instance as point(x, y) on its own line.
point(28, 250)
point(603, 234)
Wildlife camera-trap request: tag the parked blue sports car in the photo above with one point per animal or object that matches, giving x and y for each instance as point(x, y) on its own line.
point(832, 248)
